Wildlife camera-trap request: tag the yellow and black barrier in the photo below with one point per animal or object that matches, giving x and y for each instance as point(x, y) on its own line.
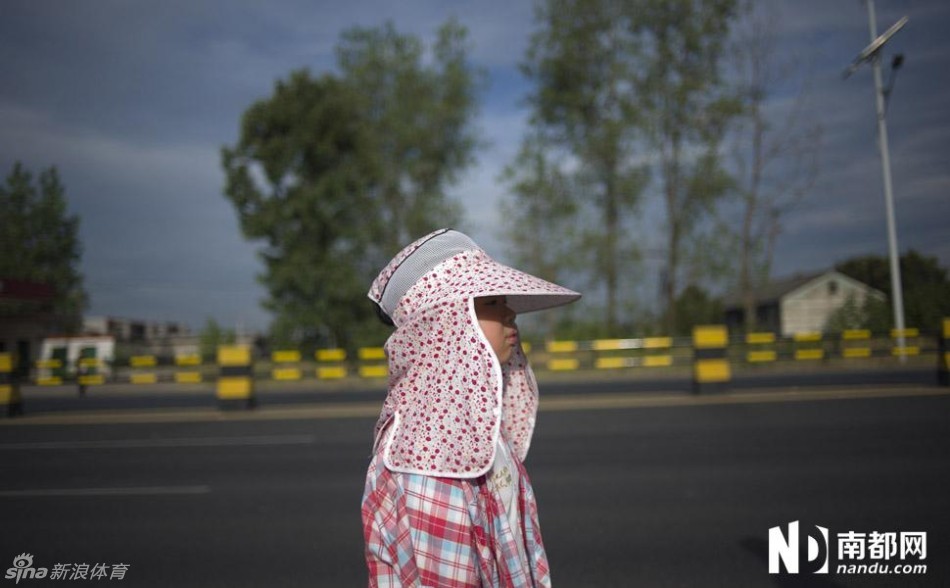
point(943, 354)
point(10, 402)
point(188, 368)
point(911, 345)
point(50, 372)
point(711, 371)
point(855, 343)
point(90, 372)
point(235, 377)
point(286, 365)
point(331, 364)
point(559, 363)
point(646, 352)
point(612, 360)
point(143, 369)
point(372, 362)
point(760, 348)
point(809, 346)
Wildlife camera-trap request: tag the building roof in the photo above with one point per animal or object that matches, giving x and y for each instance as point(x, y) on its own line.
point(778, 289)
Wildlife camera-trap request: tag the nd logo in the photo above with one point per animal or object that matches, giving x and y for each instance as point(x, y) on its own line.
point(787, 546)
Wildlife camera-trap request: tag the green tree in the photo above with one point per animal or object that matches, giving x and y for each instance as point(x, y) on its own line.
point(211, 336)
point(540, 219)
point(687, 107)
point(583, 63)
point(335, 173)
point(614, 80)
point(926, 286)
point(40, 243)
point(694, 306)
point(872, 314)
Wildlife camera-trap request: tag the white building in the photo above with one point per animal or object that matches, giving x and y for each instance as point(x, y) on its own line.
point(801, 304)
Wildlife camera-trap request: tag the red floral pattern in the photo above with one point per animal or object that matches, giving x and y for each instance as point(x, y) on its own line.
point(449, 396)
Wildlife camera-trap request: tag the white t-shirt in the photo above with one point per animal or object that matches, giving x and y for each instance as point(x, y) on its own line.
point(504, 480)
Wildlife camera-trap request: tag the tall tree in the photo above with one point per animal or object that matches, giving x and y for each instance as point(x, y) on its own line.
point(687, 107)
point(539, 221)
point(583, 62)
point(776, 153)
point(335, 173)
point(40, 243)
point(416, 123)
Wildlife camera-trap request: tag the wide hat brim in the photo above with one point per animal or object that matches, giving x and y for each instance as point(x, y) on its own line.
point(524, 292)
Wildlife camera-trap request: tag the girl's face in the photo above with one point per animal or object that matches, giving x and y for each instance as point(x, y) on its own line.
point(498, 323)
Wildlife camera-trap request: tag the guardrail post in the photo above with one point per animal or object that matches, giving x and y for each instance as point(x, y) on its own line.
point(561, 364)
point(943, 355)
point(188, 368)
point(235, 378)
point(711, 372)
point(142, 369)
point(10, 402)
point(286, 365)
point(331, 364)
point(372, 362)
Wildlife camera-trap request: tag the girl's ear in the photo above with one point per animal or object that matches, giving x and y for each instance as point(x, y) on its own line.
point(383, 316)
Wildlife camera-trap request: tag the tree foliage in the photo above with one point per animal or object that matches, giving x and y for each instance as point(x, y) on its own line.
point(625, 92)
point(540, 218)
point(40, 243)
point(926, 288)
point(687, 109)
point(695, 306)
point(583, 63)
point(335, 173)
point(213, 335)
point(872, 314)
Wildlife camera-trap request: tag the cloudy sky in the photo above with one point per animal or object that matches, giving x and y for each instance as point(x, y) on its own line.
point(132, 101)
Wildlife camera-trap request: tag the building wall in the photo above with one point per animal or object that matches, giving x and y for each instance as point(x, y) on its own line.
point(809, 308)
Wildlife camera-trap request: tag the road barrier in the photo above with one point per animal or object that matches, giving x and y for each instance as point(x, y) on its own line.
point(143, 369)
point(652, 353)
point(943, 355)
point(286, 365)
point(10, 402)
point(331, 364)
point(911, 342)
point(760, 348)
point(235, 387)
point(372, 362)
point(711, 370)
point(809, 347)
point(856, 344)
point(188, 369)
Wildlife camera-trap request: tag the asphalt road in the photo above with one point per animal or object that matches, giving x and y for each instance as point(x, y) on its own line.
point(644, 490)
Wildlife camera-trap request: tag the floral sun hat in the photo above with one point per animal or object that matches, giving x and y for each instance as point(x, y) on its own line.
point(449, 396)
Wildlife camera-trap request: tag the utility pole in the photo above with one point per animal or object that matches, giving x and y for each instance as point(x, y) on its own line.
point(872, 53)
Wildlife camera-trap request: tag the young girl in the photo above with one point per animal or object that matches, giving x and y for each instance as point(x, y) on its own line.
point(447, 499)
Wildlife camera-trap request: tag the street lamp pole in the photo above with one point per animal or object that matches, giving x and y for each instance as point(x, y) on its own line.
point(873, 53)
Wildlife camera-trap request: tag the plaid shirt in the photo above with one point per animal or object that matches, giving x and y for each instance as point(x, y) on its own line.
point(424, 531)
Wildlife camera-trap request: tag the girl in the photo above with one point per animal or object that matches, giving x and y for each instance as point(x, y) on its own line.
point(447, 499)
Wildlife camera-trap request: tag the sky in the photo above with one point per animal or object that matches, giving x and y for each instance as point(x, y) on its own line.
point(133, 100)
